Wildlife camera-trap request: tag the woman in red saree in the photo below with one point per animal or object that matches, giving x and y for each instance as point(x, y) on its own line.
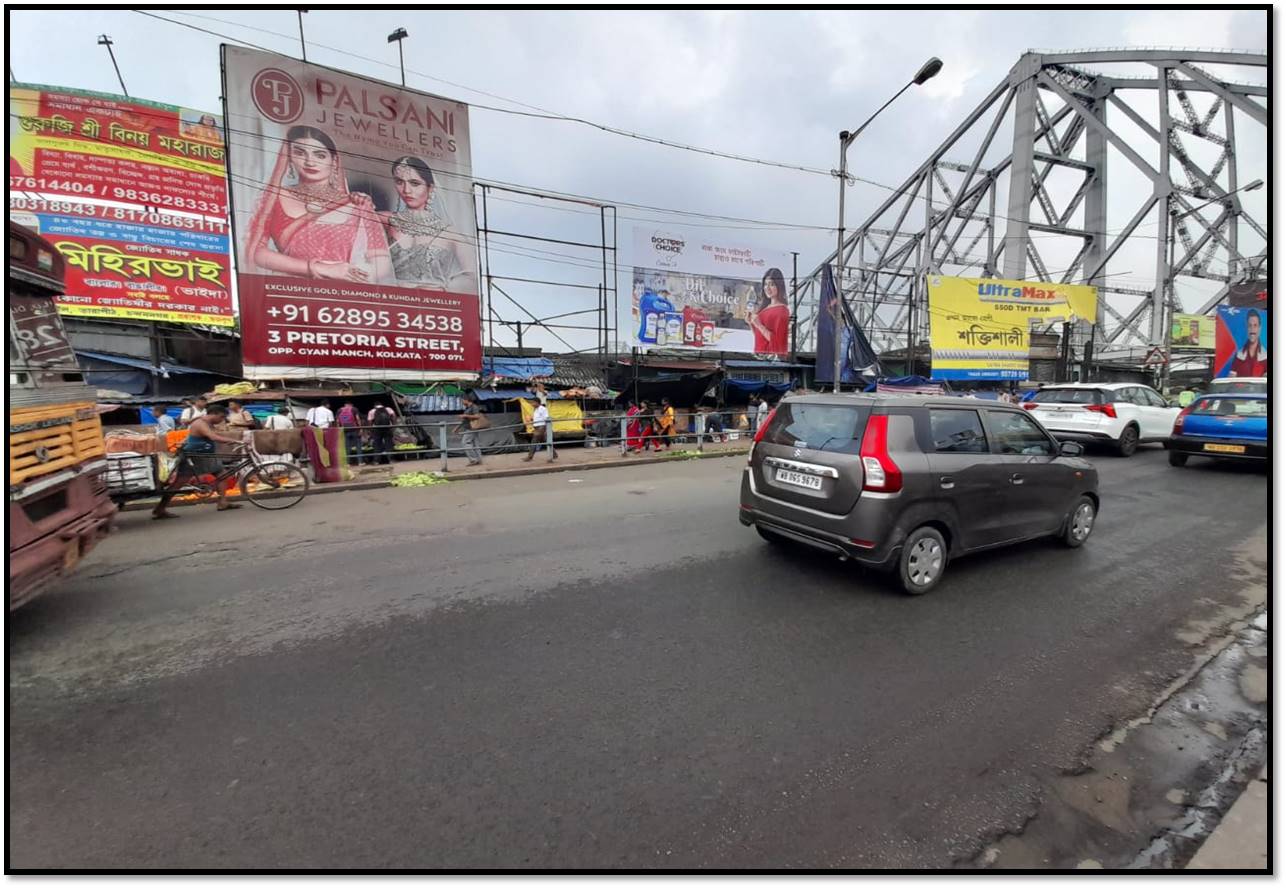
point(308, 224)
point(633, 432)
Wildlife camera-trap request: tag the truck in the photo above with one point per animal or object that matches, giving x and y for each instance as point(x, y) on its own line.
point(59, 508)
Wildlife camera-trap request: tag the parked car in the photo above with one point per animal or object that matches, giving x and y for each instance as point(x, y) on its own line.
point(1223, 426)
point(1120, 414)
point(1235, 385)
point(906, 483)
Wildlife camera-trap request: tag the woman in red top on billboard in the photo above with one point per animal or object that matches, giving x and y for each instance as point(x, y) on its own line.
point(308, 224)
point(1251, 359)
point(770, 321)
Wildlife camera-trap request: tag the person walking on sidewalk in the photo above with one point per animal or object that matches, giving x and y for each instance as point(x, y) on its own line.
point(351, 422)
point(540, 428)
point(667, 422)
point(633, 429)
point(761, 414)
point(471, 420)
point(380, 419)
point(320, 416)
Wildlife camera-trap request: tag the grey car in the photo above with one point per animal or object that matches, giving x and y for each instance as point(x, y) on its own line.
point(905, 483)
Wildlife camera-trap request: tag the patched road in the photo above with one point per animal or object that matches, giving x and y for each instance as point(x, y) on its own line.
point(591, 670)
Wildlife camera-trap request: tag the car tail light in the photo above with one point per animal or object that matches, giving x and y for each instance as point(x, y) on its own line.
point(882, 473)
point(1178, 420)
point(1030, 405)
point(1108, 410)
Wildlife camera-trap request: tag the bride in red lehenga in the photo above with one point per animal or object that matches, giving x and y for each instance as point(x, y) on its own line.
point(314, 226)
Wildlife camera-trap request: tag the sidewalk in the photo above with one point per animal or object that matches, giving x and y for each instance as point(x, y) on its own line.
point(1240, 841)
point(571, 457)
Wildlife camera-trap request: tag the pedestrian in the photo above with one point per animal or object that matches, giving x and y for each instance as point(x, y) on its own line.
point(350, 421)
point(647, 426)
point(164, 422)
point(197, 457)
point(239, 418)
point(714, 425)
point(667, 422)
point(320, 416)
point(195, 410)
point(633, 429)
point(761, 414)
point(471, 420)
point(752, 414)
point(541, 431)
point(381, 420)
point(279, 421)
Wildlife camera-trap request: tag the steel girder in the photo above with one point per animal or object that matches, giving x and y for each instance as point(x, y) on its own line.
point(1069, 127)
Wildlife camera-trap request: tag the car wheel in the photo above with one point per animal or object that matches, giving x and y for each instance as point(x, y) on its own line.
point(1128, 442)
point(923, 561)
point(1178, 459)
point(1080, 523)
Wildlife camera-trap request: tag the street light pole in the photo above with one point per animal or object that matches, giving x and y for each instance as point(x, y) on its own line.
point(927, 70)
point(104, 40)
point(1168, 325)
point(397, 37)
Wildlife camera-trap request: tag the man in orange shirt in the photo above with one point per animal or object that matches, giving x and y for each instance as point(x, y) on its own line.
point(667, 421)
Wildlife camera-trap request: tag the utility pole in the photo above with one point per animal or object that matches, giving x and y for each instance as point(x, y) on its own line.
point(794, 311)
point(104, 40)
point(303, 47)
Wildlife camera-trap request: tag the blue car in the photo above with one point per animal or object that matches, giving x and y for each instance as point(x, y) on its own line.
point(1221, 426)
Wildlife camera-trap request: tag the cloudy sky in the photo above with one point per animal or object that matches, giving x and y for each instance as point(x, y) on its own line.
point(775, 84)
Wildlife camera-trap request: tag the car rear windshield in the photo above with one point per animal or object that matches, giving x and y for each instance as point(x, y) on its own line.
point(1069, 396)
point(1240, 387)
point(830, 427)
point(1231, 407)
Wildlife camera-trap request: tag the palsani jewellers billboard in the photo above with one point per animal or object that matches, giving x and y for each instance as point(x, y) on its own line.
point(353, 224)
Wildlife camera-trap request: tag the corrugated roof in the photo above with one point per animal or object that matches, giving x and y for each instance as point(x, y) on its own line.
point(167, 367)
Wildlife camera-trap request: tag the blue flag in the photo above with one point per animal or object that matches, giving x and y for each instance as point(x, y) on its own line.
point(859, 361)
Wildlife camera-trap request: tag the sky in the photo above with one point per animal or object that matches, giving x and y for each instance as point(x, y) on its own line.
point(777, 85)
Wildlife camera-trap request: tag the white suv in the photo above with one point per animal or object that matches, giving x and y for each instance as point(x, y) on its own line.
point(1123, 414)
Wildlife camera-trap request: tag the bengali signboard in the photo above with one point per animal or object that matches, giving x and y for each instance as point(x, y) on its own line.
point(980, 328)
point(353, 224)
point(1192, 331)
point(74, 143)
point(127, 262)
point(694, 293)
point(1241, 337)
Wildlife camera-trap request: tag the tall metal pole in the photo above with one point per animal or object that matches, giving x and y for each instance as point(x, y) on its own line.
point(794, 311)
point(838, 339)
point(303, 47)
point(1168, 315)
point(104, 40)
point(397, 37)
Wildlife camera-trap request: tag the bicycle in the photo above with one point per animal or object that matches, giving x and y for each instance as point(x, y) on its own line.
point(265, 484)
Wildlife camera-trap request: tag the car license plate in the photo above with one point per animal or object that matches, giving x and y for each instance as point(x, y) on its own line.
point(799, 479)
point(1224, 448)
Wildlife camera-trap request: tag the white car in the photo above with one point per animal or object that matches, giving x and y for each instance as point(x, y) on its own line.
point(1122, 414)
point(1239, 385)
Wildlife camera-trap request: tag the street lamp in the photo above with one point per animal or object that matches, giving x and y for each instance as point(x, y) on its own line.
point(1170, 270)
point(397, 37)
point(927, 71)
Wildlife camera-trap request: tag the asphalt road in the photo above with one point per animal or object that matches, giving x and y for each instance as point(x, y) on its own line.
point(590, 670)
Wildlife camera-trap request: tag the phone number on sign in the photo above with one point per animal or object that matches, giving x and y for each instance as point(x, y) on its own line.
point(366, 317)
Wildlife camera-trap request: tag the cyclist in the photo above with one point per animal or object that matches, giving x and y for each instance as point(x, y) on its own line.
point(197, 457)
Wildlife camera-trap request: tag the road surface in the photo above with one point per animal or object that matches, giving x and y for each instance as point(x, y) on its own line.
point(600, 669)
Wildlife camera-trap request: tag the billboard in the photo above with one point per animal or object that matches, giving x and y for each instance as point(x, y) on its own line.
point(74, 143)
point(692, 293)
point(130, 262)
point(979, 328)
point(1192, 331)
point(353, 224)
point(1241, 336)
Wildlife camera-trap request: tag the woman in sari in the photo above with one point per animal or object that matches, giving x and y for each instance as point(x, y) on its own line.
point(633, 431)
point(423, 246)
point(308, 224)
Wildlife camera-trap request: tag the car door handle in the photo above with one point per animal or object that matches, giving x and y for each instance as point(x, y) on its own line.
point(946, 482)
point(1015, 479)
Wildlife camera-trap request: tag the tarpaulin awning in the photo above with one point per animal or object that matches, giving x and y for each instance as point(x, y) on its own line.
point(755, 386)
point(167, 367)
point(508, 394)
point(518, 368)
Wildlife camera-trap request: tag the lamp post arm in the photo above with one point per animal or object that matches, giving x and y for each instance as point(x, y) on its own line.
point(857, 132)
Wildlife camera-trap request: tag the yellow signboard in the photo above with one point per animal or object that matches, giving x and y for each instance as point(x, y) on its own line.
point(1193, 331)
point(979, 328)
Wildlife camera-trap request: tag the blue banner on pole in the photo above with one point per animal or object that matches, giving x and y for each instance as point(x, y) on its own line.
point(859, 361)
